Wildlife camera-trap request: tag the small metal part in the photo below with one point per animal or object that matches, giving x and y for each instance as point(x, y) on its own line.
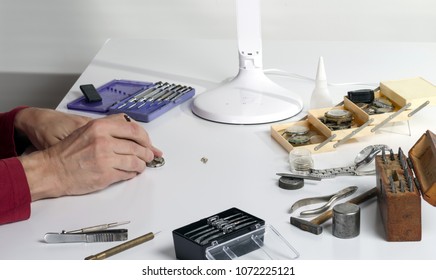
point(418, 108)
point(298, 140)
point(378, 110)
point(410, 183)
point(162, 93)
point(391, 155)
point(203, 232)
point(143, 96)
point(138, 96)
point(167, 94)
point(300, 176)
point(400, 154)
point(338, 116)
point(382, 103)
point(291, 183)
point(406, 175)
point(337, 171)
point(384, 156)
point(233, 224)
point(370, 110)
point(210, 222)
point(325, 142)
point(346, 220)
point(212, 219)
point(217, 224)
point(392, 184)
point(353, 133)
point(296, 130)
point(156, 162)
point(403, 163)
point(391, 117)
point(212, 237)
point(204, 160)
point(97, 227)
point(328, 199)
point(179, 94)
point(154, 92)
point(175, 93)
point(401, 186)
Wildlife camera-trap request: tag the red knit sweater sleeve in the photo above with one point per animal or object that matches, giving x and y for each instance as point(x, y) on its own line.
point(14, 190)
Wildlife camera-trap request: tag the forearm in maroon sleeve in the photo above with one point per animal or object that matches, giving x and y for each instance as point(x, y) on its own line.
point(14, 192)
point(8, 147)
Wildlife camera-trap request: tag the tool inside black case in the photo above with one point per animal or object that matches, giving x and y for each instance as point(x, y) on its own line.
point(228, 235)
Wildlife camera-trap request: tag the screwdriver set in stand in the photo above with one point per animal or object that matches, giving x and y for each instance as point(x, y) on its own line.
point(142, 101)
point(401, 182)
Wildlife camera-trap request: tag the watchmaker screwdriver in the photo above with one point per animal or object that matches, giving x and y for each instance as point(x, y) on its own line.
point(122, 247)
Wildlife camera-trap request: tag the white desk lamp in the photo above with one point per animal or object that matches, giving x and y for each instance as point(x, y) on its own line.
point(250, 97)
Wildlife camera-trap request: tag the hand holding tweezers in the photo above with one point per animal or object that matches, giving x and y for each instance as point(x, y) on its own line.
point(329, 199)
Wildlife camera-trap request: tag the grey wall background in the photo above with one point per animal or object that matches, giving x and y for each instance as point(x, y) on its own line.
point(46, 44)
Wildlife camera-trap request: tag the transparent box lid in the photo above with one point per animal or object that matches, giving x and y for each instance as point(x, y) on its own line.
point(263, 243)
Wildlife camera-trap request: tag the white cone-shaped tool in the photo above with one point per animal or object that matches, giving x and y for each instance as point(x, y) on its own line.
point(321, 96)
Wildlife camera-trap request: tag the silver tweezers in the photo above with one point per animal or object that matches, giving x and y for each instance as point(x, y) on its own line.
point(97, 233)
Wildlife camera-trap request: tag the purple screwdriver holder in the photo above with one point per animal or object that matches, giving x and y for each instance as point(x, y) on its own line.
point(118, 96)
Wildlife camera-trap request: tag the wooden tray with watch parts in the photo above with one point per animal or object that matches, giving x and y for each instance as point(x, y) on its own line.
point(346, 121)
point(401, 182)
point(380, 114)
point(301, 134)
point(403, 97)
point(398, 100)
point(325, 138)
point(416, 91)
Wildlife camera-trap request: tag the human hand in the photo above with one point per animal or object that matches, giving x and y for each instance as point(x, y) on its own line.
point(101, 152)
point(46, 127)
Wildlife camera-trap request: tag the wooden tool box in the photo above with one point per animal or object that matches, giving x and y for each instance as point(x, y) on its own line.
point(408, 96)
point(401, 181)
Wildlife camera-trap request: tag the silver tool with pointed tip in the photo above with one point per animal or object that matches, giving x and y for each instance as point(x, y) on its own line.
point(98, 233)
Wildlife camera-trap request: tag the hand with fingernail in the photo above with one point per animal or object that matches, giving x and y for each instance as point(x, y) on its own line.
point(94, 156)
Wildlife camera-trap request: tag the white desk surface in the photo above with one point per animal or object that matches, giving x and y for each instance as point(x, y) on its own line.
point(242, 159)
